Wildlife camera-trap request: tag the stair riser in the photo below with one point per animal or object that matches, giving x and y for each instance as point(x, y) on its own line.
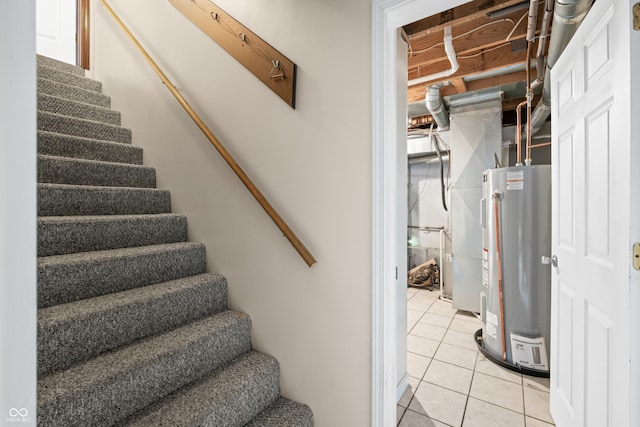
point(78, 127)
point(284, 413)
point(67, 107)
point(60, 200)
point(70, 79)
point(74, 332)
point(61, 170)
point(158, 373)
point(61, 281)
point(55, 144)
point(231, 397)
point(62, 66)
point(56, 237)
point(73, 93)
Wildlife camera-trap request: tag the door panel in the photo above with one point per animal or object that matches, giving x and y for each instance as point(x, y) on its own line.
point(56, 29)
point(591, 196)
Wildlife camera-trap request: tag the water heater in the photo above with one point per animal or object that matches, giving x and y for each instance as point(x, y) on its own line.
point(516, 291)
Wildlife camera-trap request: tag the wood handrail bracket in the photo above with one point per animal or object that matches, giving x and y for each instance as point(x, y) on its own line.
point(277, 219)
point(270, 66)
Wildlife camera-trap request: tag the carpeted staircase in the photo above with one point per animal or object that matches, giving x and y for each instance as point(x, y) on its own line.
point(132, 330)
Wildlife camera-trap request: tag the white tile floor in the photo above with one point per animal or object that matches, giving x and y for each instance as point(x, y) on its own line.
point(452, 384)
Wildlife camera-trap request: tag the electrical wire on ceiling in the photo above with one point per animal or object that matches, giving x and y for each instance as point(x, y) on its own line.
point(417, 52)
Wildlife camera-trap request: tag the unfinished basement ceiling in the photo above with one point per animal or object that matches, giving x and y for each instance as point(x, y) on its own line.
point(488, 37)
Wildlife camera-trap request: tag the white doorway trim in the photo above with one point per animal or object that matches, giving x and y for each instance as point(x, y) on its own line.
point(387, 17)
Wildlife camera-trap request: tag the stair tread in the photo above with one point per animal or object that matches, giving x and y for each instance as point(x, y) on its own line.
point(77, 147)
point(229, 397)
point(66, 170)
point(75, 93)
point(283, 413)
point(58, 235)
point(72, 332)
point(119, 383)
point(70, 277)
point(55, 63)
point(69, 107)
point(71, 79)
point(68, 125)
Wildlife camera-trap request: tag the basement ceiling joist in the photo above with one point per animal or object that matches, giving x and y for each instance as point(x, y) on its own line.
point(487, 35)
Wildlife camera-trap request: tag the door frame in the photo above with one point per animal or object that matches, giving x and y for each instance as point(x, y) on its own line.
point(83, 34)
point(387, 17)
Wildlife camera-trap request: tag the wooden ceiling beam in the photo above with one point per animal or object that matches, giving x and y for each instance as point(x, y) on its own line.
point(458, 15)
point(417, 93)
point(490, 36)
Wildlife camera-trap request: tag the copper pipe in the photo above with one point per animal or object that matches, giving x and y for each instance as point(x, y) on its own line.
point(527, 161)
point(544, 144)
point(260, 198)
point(496, 214)
point(519, 133)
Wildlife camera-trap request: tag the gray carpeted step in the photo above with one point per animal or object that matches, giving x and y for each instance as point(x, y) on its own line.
point(230, 397)
point(58, 235)
point(77, 109)
point(67, 278)
point(66, 200)
point(71, 333)
point(114, 385)
point(65, 125)
point(56, 144)
point(54, 63)
point(65, 170)
point(283, 413)
point(70, 79)
point(73, 93)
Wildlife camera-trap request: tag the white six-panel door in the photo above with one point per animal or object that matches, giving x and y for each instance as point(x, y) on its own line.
point(590, 351)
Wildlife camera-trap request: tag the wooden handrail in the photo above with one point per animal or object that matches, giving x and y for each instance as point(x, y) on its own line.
point(277, 219)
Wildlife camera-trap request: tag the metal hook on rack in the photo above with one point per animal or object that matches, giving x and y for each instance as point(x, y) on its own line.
point(276, 72)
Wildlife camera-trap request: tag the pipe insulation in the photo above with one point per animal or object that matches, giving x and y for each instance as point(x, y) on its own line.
point(567, 17)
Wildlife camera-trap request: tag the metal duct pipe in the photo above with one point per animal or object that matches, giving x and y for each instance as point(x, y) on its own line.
point(567, 17)
point(434, 104)
point(542, 43)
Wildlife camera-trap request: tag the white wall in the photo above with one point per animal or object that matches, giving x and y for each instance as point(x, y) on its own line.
point(313, 163)
point(17, 213)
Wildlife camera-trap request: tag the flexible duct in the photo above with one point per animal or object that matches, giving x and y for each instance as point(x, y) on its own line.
point(434, 104)
point(567, 17)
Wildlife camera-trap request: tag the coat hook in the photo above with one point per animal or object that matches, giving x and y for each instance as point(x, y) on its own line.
point(243, 37)
point(214, 15)
point(276, 71)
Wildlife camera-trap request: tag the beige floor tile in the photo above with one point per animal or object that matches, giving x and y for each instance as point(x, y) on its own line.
point(461, 339)
point(456, 355)
point(532, 422)
point(409, 392)
point(439, 404)
point(432, 332)
point(413, 419)
point(536, 404)
point(412, 291)
point(442, 311)
point(425, 297)
point(464, 326)
point(483, 414)
point(411, 324)
point(535, 382)
point(399, 412)
point(421, 346)
point(417, 365)
point(486, 366)
point(418, 304)
point(449, 376)
point(414, 314)
point(436, 320)
point(499, 392)
point(467, 316)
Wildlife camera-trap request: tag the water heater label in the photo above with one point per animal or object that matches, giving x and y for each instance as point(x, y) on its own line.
point(491, 325)
point(529, 352)
point(515, 180)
